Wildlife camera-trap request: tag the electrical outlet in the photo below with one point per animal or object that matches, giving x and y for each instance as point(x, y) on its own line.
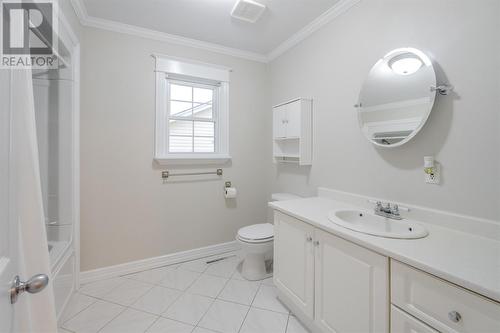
point(434, 178)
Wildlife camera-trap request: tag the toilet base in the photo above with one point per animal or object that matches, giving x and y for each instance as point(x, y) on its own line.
point(254, 267)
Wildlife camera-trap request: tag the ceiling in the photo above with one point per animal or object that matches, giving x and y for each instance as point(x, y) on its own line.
point(210, 20)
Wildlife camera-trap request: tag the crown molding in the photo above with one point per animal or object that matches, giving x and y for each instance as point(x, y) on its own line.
point(89, 21)
point(335, 11)
point(94, 22)
point(80, 10)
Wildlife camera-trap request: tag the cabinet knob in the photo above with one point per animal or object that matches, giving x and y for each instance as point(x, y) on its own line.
point(316, 243)
point(309, 239)
point(454, 316)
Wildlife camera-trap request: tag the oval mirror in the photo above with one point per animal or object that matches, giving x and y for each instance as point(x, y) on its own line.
point(397, 97)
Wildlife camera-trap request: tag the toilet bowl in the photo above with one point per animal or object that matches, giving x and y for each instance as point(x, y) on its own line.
point(257, 246)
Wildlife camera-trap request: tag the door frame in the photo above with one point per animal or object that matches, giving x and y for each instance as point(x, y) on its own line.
point(70, 40)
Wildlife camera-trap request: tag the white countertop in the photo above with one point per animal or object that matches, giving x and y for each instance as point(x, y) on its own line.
point(465, 259)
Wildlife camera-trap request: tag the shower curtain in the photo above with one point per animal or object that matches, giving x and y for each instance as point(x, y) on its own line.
point(34, 313)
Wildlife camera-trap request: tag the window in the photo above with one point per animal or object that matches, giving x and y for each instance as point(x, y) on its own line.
point(192, 117)
point(191, 112)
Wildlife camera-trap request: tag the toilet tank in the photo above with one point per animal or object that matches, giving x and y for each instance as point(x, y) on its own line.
point(279, 197)
point(283, 196)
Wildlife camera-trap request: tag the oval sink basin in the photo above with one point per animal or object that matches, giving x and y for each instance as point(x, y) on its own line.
point(375, 225)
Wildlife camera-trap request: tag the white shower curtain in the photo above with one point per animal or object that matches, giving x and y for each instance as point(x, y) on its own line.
point(34, 313)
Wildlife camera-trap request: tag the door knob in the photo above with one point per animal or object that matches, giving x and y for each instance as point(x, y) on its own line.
point(34, 285)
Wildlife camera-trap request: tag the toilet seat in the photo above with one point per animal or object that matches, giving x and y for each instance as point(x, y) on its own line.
point(257, 233)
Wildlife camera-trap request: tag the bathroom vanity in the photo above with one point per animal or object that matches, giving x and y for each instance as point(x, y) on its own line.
point(340, 280)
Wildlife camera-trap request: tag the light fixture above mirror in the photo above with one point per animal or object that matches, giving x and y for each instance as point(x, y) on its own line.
point(405, 63)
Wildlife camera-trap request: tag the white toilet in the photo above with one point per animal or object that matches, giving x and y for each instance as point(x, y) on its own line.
point(257, 245)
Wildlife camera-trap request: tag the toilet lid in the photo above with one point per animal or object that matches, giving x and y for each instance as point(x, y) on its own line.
point(257, 231)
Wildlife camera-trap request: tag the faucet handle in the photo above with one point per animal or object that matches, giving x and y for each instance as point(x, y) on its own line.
point(395, 209)
point(378, 204)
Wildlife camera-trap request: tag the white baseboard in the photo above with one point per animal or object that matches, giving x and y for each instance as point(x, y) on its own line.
point(145, 264)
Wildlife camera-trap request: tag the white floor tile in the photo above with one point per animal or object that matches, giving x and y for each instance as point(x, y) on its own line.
point(164, 325)
point(128, 292)
point(295, 326)
point(268, 282)
point(179, 279)
point(238, 291)
point(199, 265)
point(93, 318)
point(153, 276)
point(62, 330)
point(100, 288)
point(224, 268)
point(189, 308)
point(267, 299)
point(237, 274)
point(224, 317)
point(130, 321)
point(208, 285)
point(263, 321)
point(77, 303)
point(157, 300)
point(203, 330)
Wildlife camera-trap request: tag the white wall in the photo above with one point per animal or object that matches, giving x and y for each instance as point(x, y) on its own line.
point(127, 213)
point(463, 132)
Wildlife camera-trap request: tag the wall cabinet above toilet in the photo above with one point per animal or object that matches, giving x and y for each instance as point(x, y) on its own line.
point(292, 131)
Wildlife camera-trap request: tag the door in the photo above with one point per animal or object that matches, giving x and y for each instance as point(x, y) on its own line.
point(294, 261)
point(293, 119)
point(351, 287)
point(8, 231)
point(23, 244)
point(279, 119)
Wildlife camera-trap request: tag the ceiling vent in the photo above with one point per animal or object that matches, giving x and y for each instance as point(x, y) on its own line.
point(248, 10)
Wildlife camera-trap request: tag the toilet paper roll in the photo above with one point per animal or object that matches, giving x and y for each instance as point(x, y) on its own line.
point(230, 193)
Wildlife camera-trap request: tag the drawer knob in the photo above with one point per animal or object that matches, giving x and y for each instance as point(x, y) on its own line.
point(454, 316)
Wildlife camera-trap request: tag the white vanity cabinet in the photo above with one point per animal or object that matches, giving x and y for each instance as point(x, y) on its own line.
point(336, 285)
point(294, 261)
point(441, 305)
point(401, 322)
point(292, 131)
point(351, 286)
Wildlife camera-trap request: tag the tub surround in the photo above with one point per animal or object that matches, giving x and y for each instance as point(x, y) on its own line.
point(466, 254)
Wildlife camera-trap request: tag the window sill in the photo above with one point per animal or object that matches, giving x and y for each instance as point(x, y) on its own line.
point(182, 159)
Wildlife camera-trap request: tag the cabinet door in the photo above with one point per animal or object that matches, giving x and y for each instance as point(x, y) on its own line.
point(293, 119)
point(401, 322)
point(279, 119)
point(351, 287)
point(294, 261)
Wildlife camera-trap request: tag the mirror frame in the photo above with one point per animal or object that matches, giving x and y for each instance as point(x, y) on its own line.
point(432, 94)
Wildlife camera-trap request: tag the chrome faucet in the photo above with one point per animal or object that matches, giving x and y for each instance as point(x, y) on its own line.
point(390, 211)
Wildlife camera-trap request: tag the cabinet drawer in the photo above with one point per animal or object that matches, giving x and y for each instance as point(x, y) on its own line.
point(442, 305)
point(401, 322)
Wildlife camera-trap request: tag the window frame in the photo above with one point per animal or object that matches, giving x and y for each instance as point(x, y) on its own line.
point(220, 117)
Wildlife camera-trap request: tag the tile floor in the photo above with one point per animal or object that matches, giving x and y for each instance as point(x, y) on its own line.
point(190, 297)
